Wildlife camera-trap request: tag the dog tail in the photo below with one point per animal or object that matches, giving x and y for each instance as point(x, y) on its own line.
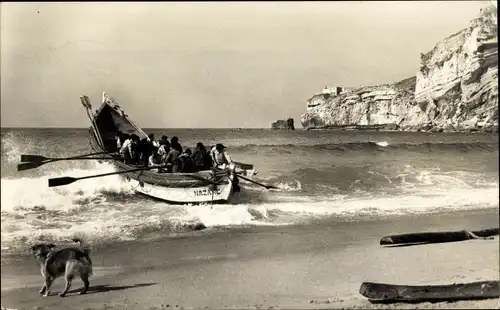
point(80, 243)
point(86, 251)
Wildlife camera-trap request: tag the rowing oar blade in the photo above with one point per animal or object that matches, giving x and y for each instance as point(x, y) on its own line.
point(61, 181)
point(27, 166)
point(33, 158)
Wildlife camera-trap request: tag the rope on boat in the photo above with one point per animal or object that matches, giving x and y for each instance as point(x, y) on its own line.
point(90, 144)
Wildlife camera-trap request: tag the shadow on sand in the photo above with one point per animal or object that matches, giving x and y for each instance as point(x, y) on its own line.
point(107, 288)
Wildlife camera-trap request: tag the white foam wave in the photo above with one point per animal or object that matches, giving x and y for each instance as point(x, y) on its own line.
point(382, 143)
point(418, 202)
point(301, 209)
point(294, 186)
point(14, 144)
point(32, 211)
point(227, 215)
point(34, 192)
point(108, 223)
point(434, 178)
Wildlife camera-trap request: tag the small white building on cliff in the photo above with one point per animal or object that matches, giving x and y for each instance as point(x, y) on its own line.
point(327, 92)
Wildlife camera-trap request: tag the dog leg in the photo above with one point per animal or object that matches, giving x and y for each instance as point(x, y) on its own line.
point(85, 280)
point(48, 283)
point(66, 288)
point(42, 290)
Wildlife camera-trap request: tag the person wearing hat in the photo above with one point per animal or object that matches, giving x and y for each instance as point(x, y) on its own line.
point(220, 158)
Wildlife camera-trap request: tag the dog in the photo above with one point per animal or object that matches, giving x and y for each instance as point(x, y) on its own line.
point(69, 262)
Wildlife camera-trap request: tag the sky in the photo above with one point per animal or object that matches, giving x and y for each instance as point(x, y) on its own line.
point(207, 64)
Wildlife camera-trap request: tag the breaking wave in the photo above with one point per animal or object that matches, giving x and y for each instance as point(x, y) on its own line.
point(107, 210)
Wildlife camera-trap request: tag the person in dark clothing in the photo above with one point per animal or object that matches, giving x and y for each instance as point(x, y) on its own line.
point(145, 150)
point(174, 143)
point(208, 161)
point(163, 140)
point(200, 156)
point(141, 145)
point(135, 148)
point(186, 163)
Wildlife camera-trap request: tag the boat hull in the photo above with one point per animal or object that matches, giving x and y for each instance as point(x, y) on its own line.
point(184, 195)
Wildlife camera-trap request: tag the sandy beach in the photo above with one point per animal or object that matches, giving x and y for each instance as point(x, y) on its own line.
point(317, 266)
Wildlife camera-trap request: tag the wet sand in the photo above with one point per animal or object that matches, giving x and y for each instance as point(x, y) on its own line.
point(314, 266)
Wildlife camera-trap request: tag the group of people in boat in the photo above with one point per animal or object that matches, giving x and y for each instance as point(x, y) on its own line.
point(170, 154)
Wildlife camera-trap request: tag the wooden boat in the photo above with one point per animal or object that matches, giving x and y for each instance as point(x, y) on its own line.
point(391, 293)
point(200, 187)
point(438, 237)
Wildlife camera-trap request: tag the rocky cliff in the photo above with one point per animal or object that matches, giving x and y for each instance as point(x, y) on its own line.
point(455, 89)
point(283, 124)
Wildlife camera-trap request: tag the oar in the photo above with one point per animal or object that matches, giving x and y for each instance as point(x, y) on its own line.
point(39, 158)
point(252, 181)
point(27, 166)
point(69, 180)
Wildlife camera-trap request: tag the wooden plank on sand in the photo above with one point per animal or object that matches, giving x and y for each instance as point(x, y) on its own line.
point(438, 237)
point(387, 293)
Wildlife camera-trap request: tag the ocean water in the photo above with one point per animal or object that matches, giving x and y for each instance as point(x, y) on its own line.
point(340, 175)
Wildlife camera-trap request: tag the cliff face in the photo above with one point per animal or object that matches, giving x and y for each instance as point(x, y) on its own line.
point(458, 80)
point(455, 89)
point(372, 107)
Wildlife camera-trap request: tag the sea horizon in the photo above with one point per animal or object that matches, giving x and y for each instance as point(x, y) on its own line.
point(156, 128)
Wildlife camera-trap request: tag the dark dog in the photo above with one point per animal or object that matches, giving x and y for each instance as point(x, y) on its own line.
point(69, 262)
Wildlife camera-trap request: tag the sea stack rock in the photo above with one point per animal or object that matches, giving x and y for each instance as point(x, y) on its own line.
point(283, 124)
point(455, 89)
